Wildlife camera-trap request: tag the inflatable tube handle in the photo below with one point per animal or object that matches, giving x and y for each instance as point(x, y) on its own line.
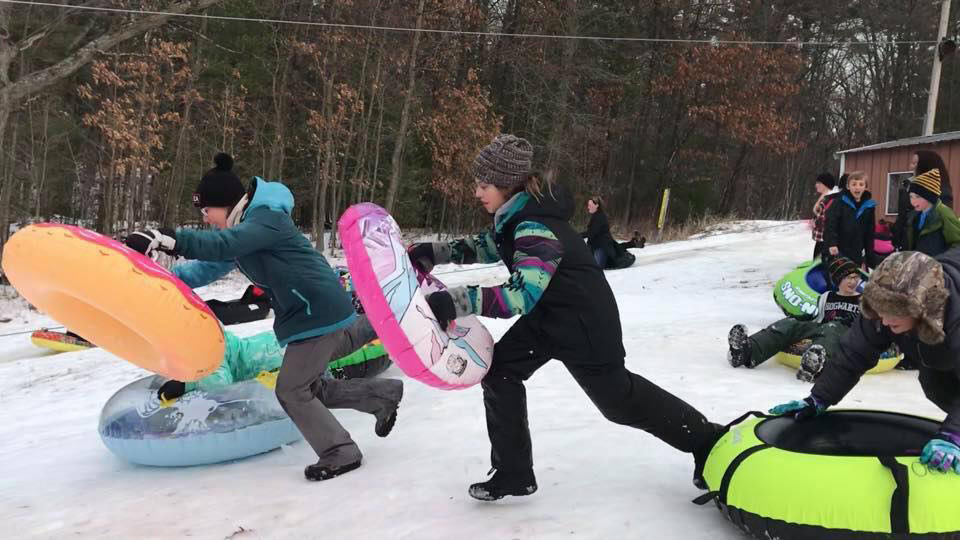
point(746, 415)
point(900, 500)
point(705, 498)
point(741, 418)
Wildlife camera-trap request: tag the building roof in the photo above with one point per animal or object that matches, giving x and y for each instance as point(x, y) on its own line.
point(912, 141)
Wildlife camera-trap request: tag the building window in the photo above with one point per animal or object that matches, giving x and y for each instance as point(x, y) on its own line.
point(894, 180)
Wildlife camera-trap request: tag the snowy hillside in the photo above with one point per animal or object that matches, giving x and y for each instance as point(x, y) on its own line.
point(597, 480)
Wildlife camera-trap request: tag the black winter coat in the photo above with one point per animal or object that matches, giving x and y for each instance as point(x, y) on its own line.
point(598, 235)
point(903, 213)
point(577, 317)
point(850, 227)
point(862, 345)
point(931, 244)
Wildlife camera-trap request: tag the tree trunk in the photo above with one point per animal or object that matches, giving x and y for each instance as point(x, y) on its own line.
point(557, 132)
point(178, 170)
point(318, 221)
point(375, 172)
point(43, 160)
point(396, 163)
point(727, 196)
point(7, 165)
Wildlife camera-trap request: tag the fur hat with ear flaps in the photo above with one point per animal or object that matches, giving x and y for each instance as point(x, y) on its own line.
point(909, 284)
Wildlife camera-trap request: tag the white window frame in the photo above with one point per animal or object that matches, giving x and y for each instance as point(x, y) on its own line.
point(894, 191)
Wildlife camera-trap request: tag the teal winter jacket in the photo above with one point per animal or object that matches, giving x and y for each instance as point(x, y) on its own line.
point(268, 248)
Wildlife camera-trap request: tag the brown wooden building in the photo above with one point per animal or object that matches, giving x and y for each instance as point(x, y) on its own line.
point(887, 164)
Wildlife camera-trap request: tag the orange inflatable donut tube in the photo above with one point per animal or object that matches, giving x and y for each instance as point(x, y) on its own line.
point(116, 298)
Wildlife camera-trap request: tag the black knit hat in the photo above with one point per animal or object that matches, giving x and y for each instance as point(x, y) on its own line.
point(219, 187)
point(827, 180)
point(840, 268)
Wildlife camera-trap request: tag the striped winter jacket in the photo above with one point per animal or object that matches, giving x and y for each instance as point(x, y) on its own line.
point(554, 281)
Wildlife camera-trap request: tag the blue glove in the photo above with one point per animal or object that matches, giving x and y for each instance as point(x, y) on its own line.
point(942, 452)
point(808, 407)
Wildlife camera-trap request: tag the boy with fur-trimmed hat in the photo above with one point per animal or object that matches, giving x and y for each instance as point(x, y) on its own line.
point(912, 300)
point(837, 310)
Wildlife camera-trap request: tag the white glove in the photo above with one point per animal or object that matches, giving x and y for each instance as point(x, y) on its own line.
point(152, 240)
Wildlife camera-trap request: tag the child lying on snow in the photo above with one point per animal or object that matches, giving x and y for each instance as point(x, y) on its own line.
point(245, 358)
point(837, 310)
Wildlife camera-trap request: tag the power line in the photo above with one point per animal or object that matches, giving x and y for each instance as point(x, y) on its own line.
point(471, 33)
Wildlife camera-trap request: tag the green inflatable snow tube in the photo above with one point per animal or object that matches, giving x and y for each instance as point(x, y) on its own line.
point(845, 474)
point(798, 292)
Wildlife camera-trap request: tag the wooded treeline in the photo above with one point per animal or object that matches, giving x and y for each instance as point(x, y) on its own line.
point(110, 119)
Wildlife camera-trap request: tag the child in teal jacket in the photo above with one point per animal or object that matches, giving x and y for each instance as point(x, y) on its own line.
point(315, 318)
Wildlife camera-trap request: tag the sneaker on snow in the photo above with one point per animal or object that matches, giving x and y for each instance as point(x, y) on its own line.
point(739, 346)
point(387, 416)
point(324, 471)
point(503, 484)
point(811, 363)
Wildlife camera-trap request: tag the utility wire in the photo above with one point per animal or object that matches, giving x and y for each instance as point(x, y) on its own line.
point(713, 41)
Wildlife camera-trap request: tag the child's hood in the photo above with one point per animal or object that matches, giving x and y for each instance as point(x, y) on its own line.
point(271, 195)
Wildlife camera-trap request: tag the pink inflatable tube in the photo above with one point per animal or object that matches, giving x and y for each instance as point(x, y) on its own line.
point(393, 297)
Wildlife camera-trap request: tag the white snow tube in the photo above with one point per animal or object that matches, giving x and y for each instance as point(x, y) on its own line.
point(201, 427)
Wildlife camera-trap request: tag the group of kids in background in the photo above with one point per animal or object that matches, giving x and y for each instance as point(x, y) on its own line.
point(906, 302)
point(567, 312)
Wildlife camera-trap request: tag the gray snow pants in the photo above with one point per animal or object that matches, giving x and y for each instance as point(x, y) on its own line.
point(307, 397)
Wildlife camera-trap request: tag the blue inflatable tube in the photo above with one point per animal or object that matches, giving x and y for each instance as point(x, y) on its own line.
point(200, 428)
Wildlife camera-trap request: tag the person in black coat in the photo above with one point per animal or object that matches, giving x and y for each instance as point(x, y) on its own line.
point(599, 239)
point(850, 223)
point(912, 300)
point(567, 312)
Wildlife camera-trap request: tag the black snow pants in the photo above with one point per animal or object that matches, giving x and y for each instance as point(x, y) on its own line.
point(621, 396)
point(941, 387)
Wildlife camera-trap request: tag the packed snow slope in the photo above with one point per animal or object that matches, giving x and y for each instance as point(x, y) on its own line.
point(597, 479)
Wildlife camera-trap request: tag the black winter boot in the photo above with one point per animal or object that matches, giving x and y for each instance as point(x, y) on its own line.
point(324, 471)
point(503, 484)
point(701, 454)
point(387, 416)
point(739, 343)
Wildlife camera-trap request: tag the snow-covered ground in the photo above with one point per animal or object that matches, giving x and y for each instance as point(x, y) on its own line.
point(597, 480)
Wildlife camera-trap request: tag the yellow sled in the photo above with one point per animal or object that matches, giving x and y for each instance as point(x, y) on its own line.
point(791, 357)
point(58, 341)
